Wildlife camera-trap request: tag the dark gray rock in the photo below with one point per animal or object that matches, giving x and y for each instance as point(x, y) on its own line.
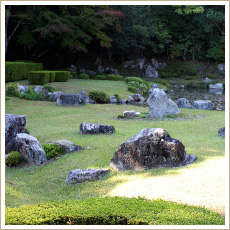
point(73, 68)
point(155, 63)
point(162, 65)
point(161, 105)
point(183, 103)
point(140, 62)
point(90, 72)
point(101, 69)
point(23, 89)
point(54, 96)
point(71, 99)
point(221, 67)
point(30, 148)
point(138, 98)
point(82, 70)
point(123, 101)
point(81, 175)
point(221, 132)
point(202, 104)
point(166, 90)
point(189, 159)
point(90, 128)
point(131, 101)
point(14, 124)
point(149, 148)
point(67, 146)
point(113, 100)
point(151, 72)
point(84, 96)
point(111, 71)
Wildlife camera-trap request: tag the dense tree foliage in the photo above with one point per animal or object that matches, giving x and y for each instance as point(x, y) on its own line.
point(176, 32)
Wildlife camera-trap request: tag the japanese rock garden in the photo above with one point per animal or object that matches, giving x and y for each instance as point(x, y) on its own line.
point(115, 116)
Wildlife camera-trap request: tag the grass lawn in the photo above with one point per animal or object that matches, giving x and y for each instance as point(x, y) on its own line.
point(201, 183)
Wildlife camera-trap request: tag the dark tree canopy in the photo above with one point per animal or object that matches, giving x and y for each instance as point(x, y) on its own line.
point(39, 32)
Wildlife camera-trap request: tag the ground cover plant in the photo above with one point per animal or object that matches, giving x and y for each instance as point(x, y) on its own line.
point(33, 184)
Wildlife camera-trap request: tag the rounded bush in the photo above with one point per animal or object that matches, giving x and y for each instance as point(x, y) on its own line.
point(12, 90)
point(132, 89)
point(14, 159)
point(83, 76)
point(52, 150)
point(136, 79)
point(100, 77)
point(114, 78)
point(98, 95)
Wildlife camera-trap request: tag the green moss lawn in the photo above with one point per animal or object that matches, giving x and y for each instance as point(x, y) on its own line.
point(200, 184)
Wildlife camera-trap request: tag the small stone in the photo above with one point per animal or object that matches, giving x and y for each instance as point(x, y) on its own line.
point(221, 132)
point(113, 100)
point(129, 114)
point(151, 72)
point(207, 80)
point(81, 175)
point(183, 103)
point(202, 104)
point(90, 128)
point(67, 146)
point(23, 89)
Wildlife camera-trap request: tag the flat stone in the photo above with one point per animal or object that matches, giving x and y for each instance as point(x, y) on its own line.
point(161, 105)
point(81, 175)
point(148, 149)
point(67, 146)
point(90, 128)
point(129, 114)
point(216, 86)
point(14, 124)
point(221, 132)
point(202, 104)
point(30, 148)
point(70, 99)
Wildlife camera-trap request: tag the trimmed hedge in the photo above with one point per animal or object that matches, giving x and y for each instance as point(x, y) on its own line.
point(100, 77)
point(16, 71)
point(136, 79)
point(83, 76)
point(111, 211)
point(114, 78)
point(62, 76)
point(39, 77)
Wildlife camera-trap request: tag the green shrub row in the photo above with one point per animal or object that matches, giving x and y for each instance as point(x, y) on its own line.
point(111, 211)
point(45, 76)
point(97, 77)
point(16, 71)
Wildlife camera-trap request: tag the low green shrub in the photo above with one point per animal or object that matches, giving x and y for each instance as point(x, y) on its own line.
point(100, 77)
point(136, 87)
point(111, 211)
point(12, 90)
point(190, 85)
point(191, 71)
point(98, 95)
point(163, 82)
point(14, 159)
point(188, 78)
point(62, 76)
point(33, 96)
point(52, 150)
point(136, 79)
point(83, 76)
point(16, 71)
point(39, 77)
point(213, 76)
point(132, 89)
point(7, 98)
point(114, 78)
point(74, 75)
point(203, 85)
point(49, 87)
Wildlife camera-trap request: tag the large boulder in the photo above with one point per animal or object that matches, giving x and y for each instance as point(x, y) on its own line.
point(149, 148)
point(81, 175)
point(221, 132)
point(202, 104)
point(183, 103)
point(161, 105)
point(67, 146)
point(151, 72)
point(70, 99)
point(14, 124)
point(90, 128)
point(30, 148)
